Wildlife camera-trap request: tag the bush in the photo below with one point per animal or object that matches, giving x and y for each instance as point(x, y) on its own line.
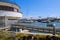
point(5, 35)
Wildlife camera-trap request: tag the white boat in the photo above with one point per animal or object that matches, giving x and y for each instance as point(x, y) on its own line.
point(25, 21)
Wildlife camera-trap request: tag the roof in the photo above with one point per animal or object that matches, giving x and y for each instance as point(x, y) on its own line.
point(11, 1)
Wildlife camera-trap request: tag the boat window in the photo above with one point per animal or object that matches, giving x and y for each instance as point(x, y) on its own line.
point(7, 8)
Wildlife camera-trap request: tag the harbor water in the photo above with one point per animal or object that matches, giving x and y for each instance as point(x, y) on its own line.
point(57, 24)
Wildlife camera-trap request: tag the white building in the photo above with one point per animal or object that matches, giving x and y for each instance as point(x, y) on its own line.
point(9, 13)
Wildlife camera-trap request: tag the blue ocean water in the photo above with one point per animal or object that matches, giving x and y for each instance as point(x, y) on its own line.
point(57, 24)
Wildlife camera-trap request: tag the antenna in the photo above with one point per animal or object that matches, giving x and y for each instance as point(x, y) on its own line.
point(27, 15)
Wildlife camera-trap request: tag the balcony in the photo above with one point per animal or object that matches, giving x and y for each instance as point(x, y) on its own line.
point(10, 14)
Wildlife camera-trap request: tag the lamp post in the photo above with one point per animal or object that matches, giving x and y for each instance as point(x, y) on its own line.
point(53, 26)
point(54, 30)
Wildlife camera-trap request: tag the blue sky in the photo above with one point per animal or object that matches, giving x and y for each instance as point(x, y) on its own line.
point(35, 8)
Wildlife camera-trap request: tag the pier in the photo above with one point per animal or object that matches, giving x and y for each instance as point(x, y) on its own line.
point(37, 28)
point(30, 27)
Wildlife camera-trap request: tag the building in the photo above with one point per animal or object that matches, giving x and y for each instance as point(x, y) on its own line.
point(9, 12)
